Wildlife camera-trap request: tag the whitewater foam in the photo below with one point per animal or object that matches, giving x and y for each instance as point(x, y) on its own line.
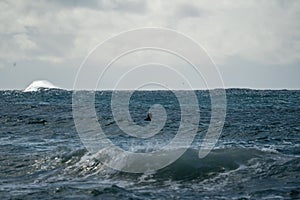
point(40, 84)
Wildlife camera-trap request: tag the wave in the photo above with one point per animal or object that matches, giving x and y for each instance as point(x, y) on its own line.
point(226, 171)
point(80, 163)
point(190, 167)
point(39, 85)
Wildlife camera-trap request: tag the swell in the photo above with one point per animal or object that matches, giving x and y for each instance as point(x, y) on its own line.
point(79, 163)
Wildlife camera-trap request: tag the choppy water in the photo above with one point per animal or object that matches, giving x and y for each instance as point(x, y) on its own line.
point(256, 157)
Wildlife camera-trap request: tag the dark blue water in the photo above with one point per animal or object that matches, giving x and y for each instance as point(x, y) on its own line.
point(256, 157)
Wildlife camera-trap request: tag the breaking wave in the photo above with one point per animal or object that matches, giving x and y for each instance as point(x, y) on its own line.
point(40, 84)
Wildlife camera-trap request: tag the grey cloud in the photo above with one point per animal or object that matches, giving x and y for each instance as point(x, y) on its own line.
point(286, 4)
point(187, 10)
point(77, 3)
point(132, 6)
point(44, 32)
point(51, 45)
point(31, 30)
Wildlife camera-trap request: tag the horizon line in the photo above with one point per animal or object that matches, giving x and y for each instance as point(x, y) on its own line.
point(196, 89)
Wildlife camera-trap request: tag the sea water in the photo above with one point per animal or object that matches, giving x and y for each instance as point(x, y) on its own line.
point(256, 157)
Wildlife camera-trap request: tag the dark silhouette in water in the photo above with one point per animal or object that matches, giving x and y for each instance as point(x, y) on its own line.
point(149, 117)
point(42, 121)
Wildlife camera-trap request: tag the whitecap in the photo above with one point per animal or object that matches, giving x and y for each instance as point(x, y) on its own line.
point(40, 84)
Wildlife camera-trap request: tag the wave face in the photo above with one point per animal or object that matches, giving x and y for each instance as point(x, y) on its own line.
point(256, 157)
point(40, 84)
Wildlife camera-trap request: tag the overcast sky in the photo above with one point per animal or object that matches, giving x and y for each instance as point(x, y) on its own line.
point(255, 44)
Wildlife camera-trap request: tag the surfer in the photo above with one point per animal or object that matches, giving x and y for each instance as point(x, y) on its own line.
point(149, 117)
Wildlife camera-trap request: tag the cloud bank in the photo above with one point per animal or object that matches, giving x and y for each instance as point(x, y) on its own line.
point(61, 33)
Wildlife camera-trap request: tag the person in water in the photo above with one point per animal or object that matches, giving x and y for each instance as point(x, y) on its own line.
point(149, 117)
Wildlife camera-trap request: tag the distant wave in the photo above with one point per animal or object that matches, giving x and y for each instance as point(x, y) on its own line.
point(40, 84)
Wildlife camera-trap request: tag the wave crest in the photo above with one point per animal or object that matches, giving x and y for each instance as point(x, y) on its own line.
point(40, 84)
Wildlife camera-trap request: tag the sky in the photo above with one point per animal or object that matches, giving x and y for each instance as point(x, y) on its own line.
point(254, 44)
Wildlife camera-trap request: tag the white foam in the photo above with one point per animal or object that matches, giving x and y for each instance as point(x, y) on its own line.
point(37, 85)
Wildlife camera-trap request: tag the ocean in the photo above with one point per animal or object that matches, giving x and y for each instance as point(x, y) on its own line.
point(257, 155)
